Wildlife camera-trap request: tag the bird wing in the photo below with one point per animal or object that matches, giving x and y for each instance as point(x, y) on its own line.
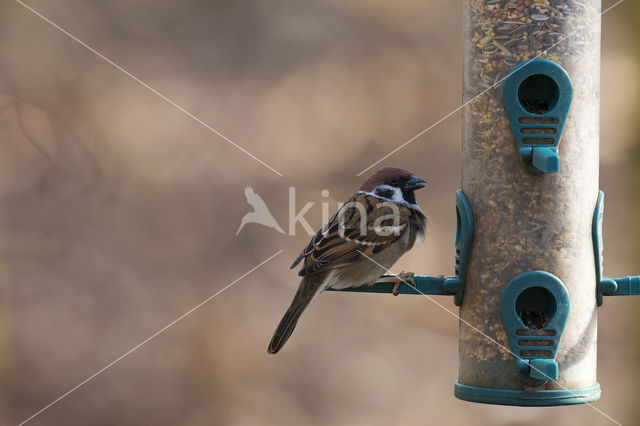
point(255, 200)
point(354, 231)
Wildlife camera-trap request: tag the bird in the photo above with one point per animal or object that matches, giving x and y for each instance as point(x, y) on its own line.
point(260, 213)
point(364, 238)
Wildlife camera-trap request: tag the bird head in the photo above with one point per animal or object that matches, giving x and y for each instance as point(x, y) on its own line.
point(394, 184)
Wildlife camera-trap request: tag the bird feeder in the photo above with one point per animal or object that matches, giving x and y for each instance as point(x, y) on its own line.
point(528, 261)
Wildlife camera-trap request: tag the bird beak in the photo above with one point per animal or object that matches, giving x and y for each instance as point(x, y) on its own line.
point(415, 183)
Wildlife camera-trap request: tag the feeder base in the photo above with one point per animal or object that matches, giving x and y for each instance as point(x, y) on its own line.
point(532, 398)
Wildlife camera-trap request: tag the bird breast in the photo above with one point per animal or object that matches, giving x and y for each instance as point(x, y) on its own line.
point(368, 270)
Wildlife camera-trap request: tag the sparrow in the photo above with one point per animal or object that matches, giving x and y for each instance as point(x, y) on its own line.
point(365, 237)
point(260, 213)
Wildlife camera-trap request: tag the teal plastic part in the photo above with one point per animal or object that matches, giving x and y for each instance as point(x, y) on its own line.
point(465, 229)
point(424, 285)
point(451, 285)
point(545, 159)
point(596, 236)
point(624, 286)
point(543, 369)
point(527, 398)
point(534, 308)
point(537, 96)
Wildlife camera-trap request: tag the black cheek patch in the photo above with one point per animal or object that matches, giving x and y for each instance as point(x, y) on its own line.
point(385, 193)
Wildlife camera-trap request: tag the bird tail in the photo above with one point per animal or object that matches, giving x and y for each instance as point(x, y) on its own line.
point(305, 294)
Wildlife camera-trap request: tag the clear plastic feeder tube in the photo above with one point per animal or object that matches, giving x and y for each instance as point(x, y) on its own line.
point(527, 222)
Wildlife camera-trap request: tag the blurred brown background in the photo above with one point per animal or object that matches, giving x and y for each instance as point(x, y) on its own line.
point(118, 212)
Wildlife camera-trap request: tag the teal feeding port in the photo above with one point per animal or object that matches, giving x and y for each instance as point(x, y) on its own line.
point(534, 307)
point(537, 96)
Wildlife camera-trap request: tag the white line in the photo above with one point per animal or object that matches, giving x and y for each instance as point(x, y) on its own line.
point(127, 73)
point(146, 340)
point(485, 335)
point(484, 91)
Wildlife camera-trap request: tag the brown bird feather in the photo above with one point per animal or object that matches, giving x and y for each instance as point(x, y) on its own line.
point(368, 227)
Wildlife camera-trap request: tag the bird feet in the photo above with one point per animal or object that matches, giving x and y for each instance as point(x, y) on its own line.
point(402, 277)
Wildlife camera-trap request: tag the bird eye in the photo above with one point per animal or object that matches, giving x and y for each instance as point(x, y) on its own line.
point(394, 180)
